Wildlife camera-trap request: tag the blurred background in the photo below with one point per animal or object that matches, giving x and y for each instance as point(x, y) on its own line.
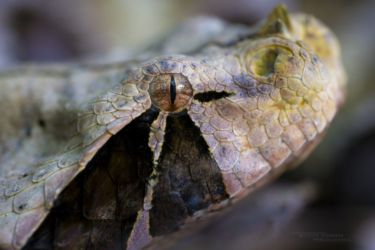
point(328, 202)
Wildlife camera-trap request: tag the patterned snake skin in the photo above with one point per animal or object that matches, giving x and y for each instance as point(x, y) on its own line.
point(260, 101)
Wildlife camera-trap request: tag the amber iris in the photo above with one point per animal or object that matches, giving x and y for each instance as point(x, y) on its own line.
point(170, 92)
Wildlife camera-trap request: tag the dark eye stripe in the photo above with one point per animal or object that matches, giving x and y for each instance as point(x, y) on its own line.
point(211, 96)
point(172, 89)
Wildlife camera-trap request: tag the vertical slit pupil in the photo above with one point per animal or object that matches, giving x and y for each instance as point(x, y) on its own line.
point(172, 87)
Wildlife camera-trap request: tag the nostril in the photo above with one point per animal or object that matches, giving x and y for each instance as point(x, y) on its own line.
point(264, 62)
point(278, 57)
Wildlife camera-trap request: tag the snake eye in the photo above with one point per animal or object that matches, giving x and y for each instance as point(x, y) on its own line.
point(170, 92)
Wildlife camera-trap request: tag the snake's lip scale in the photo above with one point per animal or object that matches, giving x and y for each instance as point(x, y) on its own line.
point(164, 139)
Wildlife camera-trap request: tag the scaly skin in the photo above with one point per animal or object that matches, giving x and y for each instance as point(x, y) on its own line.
point(277, 91)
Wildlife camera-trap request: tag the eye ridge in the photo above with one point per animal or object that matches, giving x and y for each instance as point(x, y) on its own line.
point(172, 89)
point(211, 96)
